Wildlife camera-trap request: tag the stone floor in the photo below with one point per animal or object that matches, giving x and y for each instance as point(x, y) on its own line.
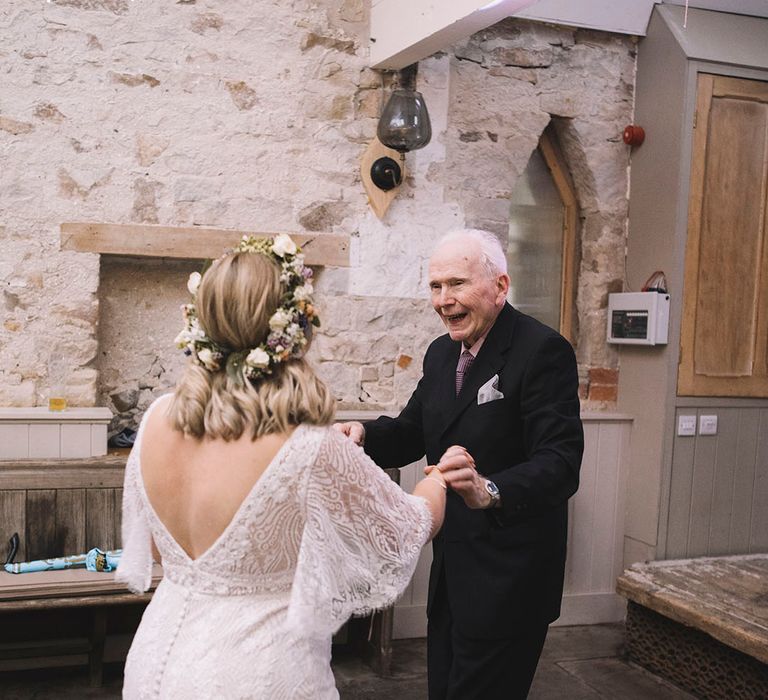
point(578, 663)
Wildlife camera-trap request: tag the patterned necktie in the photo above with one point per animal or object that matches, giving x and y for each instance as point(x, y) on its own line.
point(465, 362)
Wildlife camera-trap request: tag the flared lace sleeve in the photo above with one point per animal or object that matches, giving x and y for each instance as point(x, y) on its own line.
point(362, 539)
point(135, 567)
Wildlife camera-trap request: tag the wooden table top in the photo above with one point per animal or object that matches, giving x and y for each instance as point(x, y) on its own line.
point(726, 597)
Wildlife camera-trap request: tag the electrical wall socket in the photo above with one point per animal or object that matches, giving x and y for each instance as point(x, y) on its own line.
point(707, 425)
point(686, 425)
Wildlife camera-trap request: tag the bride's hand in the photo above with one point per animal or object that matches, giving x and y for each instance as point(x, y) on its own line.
point(354, 430)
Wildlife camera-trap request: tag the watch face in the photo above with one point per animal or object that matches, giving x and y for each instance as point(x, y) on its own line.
point(492, 489)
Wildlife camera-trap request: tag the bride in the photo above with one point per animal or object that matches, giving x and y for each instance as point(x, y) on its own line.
point(272, 528)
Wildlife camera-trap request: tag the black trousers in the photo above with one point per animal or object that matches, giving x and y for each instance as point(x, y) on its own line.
point(462, 668)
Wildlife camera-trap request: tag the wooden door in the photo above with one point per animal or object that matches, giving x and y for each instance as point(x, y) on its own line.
point(724, 334)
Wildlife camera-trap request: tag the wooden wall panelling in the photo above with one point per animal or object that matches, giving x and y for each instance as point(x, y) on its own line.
point(608, 535)
point(680, 496)
point(725, 499)
point(758, 541)
point(705, 452)
point(583, 514)
point(719, 487)
point(70, 521)
point(748, 424)
point(596, 527)
point(118, 539)
point(13, 509)
point(100, 519)
point(41, 524)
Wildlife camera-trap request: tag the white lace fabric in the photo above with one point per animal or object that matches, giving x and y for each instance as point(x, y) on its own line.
point(322, 535)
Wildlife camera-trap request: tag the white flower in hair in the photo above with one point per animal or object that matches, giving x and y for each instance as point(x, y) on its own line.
point(257, 358)
point(283, 245)
point(182, 338)
point(194, 282)
point(208, 359)
point(304, 292)
point(280, 319)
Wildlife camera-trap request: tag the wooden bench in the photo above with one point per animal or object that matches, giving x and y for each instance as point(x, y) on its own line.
point(27, 633)
point(72, 617)
point(701, 623)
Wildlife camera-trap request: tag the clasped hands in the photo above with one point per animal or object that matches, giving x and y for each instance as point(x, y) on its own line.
point(457, 468)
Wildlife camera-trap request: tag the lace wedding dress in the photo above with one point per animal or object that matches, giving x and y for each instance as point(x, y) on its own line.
point(322, 535)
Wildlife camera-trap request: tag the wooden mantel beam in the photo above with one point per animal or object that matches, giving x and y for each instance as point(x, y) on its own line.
point(190, 242)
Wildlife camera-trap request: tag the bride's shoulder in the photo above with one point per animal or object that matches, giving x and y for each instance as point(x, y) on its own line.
point(163, 400)
point(331, 438)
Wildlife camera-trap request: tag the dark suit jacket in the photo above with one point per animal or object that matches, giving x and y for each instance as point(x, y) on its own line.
point(502, 566)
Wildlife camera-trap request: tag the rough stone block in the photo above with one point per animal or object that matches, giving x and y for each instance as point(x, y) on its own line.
point(369, 374)
point(125, 400)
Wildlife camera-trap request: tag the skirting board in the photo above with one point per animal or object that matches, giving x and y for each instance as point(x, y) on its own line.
point(577, 609)
point(591, 609)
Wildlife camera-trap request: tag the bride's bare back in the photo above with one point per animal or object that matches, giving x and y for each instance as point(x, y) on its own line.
point(196, 486)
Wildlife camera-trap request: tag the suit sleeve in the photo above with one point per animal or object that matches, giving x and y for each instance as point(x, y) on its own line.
point(552, 433)
point(397, 442)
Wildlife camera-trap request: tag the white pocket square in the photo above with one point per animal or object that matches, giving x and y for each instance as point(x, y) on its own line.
point(489, 391)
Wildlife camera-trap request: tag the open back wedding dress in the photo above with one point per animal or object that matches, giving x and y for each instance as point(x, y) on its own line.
point(322, 535)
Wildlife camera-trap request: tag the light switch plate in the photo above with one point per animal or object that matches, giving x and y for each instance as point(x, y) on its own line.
point(707, 425)
point(686, 425)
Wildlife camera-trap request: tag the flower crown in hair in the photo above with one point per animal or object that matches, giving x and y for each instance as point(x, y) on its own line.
point(289, 326)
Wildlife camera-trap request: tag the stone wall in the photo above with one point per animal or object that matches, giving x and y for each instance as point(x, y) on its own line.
point(254, 116)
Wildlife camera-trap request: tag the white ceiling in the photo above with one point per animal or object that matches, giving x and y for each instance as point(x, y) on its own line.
point(757, 8)
point(404, 31)
point(626, 16)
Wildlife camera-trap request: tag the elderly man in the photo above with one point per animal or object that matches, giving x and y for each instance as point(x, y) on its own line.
point(497, 412)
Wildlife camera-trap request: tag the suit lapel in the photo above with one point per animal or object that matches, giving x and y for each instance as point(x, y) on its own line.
point(488, 362)
point(446, 381)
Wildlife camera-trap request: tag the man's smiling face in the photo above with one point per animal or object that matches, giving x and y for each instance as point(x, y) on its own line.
point(466, 296)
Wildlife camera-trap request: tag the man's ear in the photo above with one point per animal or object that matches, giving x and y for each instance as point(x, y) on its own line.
point(502, 285)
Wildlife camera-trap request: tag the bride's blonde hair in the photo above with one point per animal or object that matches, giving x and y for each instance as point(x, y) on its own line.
point(235, 300)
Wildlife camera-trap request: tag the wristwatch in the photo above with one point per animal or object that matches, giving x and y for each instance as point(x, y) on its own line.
point(493, 492)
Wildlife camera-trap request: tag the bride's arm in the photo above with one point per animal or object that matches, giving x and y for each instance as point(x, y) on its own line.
point(433, 490)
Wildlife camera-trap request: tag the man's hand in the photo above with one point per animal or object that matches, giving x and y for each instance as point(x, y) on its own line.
point(354, 430)
point(458, 469)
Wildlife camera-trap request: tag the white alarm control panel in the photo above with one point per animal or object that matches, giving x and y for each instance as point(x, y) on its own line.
point(638, 318)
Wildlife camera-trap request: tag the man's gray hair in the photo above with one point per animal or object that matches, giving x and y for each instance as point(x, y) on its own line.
point(494, 259)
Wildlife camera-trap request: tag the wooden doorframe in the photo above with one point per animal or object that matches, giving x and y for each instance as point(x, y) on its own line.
point(558, 168)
